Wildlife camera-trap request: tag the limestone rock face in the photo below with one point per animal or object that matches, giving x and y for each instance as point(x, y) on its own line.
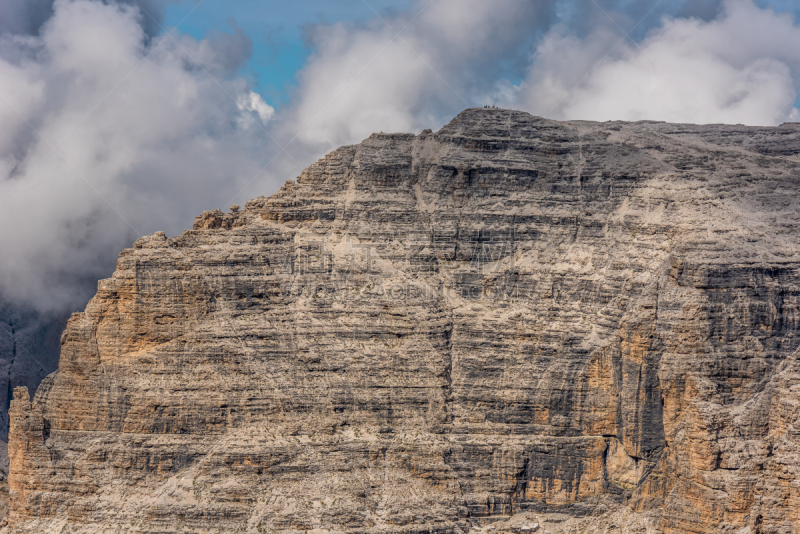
point(511, 324)
point(29, 347)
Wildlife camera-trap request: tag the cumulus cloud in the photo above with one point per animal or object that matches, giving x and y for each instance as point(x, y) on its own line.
point(255, 103)
point(112, 129)
point(742, 67)
point(108, 135)
point(595, 59)
point(409, 71)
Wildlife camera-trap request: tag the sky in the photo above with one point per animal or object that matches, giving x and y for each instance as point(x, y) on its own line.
point(125, 117)
point(277, 30)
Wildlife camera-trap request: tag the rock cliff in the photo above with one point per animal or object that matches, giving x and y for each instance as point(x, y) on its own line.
point(509, 324)
point(29, 347)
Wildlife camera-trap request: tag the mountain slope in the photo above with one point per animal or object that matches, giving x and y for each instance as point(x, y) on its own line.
point(509, 320)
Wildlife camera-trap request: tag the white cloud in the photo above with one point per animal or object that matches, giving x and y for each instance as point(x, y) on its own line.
point(150, 138)
point(254, 102)
point(147, 138)
point(370, 79)
point(740, 68)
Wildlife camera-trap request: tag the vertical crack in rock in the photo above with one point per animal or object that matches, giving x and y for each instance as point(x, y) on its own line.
point(447, 386)
point(518, 492)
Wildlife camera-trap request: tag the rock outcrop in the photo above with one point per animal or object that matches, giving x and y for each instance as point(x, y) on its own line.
point(512, 324)
point(29, 348)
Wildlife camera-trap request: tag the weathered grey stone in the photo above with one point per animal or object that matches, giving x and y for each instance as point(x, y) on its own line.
point(29, 347)
point(512, 321)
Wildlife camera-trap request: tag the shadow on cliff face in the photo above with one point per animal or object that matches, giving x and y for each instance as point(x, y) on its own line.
point(30, 343)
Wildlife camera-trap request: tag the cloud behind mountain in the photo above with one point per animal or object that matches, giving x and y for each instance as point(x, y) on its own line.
point(117, 124)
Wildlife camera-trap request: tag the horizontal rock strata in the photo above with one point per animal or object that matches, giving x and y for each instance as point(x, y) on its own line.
point(509, 320)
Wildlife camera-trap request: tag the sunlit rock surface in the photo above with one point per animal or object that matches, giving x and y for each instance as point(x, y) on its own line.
point(509, 325)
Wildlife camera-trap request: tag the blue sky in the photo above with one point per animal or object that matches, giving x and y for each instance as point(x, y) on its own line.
point(277, 31)
point(281, 48)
